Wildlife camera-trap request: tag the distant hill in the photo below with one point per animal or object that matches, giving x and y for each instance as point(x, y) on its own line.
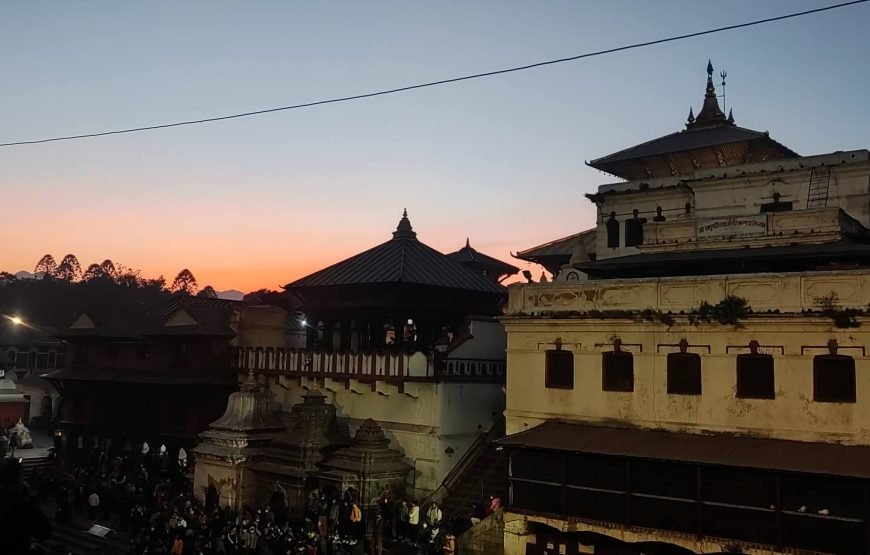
point(231, 295)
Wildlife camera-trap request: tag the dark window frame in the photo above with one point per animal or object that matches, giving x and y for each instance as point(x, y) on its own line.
point(612, 226)
point(556, 377)
point(611, 382)
point(748, 367)
point(819, 374)
point(681, 384)
point(634, 232)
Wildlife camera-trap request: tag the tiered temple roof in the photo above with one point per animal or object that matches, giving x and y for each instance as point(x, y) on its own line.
point(486, 265)
point(403, 259)
point(710, 140)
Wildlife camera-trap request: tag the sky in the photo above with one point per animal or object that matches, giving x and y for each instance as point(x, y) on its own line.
point(258, 202)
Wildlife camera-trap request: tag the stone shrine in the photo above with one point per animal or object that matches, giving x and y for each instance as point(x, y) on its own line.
point(248, 453)
point(368, 465)
point(292, 459)
point(229, 448)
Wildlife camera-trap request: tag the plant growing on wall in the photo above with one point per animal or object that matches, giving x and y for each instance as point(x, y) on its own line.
point(650, 315)
point(841, 317)
point(728, 312)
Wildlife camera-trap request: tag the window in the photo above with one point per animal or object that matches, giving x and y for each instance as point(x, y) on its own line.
point(612, 232)
point(684, 374)
point(560, 370)
point(617, 370)
point(755, 377)
point(634, 230)
point(834, 379)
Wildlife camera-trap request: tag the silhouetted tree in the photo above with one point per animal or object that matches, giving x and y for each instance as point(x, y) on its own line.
point(94, 271)
point(108, 268)
point(46, 266)
point(184, 282)
point(69, 268)
point(128, 277)
point(207, 291)
point(158, 283)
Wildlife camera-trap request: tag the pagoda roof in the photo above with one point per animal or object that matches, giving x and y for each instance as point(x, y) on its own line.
point(711, 140)
point(181, 314)
point(468, 255)
point(563, 247)
point(403, 259)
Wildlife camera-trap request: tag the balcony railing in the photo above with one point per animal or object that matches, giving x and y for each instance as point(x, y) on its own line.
point(366, 366)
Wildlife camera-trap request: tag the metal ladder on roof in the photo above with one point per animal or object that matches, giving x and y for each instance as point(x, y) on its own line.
point(820, 184)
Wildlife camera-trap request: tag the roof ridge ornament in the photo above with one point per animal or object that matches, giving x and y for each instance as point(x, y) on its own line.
point(404, 229)
point(691, 118)
point(710, 114)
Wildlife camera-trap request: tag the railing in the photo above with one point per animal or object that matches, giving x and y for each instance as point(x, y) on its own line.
point(474, 451)
point(377, 365)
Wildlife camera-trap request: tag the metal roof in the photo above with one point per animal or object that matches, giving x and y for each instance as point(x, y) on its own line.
point(468, 255)
point(688, 139)
point(561, 247)
point(762, 453)
point(403, 259)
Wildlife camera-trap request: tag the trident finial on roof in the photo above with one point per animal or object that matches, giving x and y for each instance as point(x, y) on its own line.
point(710, 113)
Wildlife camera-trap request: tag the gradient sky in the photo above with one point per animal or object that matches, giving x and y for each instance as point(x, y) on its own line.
point(258, 202)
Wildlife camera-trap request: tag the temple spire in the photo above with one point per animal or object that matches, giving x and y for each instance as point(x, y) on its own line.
point(710, 114)
point(467, 243)
point(404, 229)
point(691, 119)
point(731, 117)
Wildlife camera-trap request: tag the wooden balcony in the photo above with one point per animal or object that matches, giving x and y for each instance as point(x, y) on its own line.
point(395, 366)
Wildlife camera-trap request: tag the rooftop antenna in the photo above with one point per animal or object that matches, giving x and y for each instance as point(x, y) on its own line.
point(723, 74)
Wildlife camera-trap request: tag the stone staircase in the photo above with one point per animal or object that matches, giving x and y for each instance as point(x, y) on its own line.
point(481, 473)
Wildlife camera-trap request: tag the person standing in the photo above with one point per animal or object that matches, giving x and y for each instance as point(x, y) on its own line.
point(434, 515)
point(413, 523)
point(93, 505)
point(13, 443)
point(449, 547)
point(401, 522)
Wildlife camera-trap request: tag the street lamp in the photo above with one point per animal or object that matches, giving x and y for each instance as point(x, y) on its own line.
point(16, 320)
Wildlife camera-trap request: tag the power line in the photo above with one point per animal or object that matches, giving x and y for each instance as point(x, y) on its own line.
point(443, 81)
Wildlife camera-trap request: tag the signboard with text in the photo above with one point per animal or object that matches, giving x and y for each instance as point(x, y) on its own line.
point(732, 227)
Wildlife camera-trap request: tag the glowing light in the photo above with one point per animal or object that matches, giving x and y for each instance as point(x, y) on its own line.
point(304, 322)
point(16, 320)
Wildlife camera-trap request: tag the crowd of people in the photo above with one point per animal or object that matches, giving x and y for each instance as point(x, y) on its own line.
point(153, 504)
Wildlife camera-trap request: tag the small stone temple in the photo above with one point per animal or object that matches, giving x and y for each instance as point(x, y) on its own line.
point(250, 453)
